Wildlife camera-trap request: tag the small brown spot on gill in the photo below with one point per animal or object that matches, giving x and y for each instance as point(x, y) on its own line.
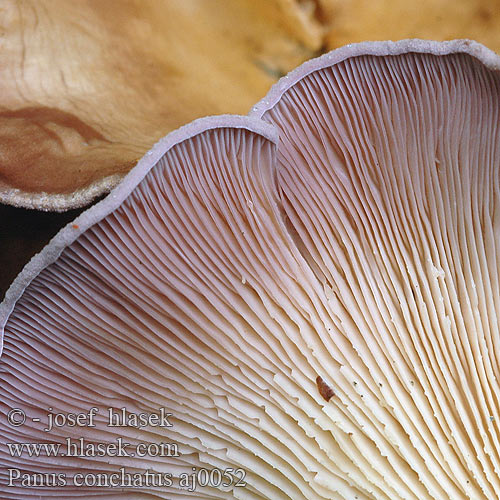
point(324, 389)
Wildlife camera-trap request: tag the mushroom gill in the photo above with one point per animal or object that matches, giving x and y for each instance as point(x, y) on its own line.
point(319, 312)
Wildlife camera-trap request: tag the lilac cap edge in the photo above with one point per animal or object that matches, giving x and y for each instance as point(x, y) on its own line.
point(376, 48)
point(68, 234)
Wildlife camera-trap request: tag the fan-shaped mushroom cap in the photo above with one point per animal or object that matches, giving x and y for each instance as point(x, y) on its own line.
point(88, 87)
point(320, 312)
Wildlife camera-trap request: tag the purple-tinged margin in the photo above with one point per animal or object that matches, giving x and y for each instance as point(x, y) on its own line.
point(253, 122)
point(388, 48)
point(68, 234)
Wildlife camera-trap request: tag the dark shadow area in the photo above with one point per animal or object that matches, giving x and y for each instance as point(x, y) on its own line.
point(23, 233)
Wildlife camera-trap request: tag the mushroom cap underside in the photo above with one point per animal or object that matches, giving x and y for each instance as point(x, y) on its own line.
point(311, 292)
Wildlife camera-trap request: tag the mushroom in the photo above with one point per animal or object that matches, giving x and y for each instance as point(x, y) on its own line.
point(88, 87)
point(304, 299)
